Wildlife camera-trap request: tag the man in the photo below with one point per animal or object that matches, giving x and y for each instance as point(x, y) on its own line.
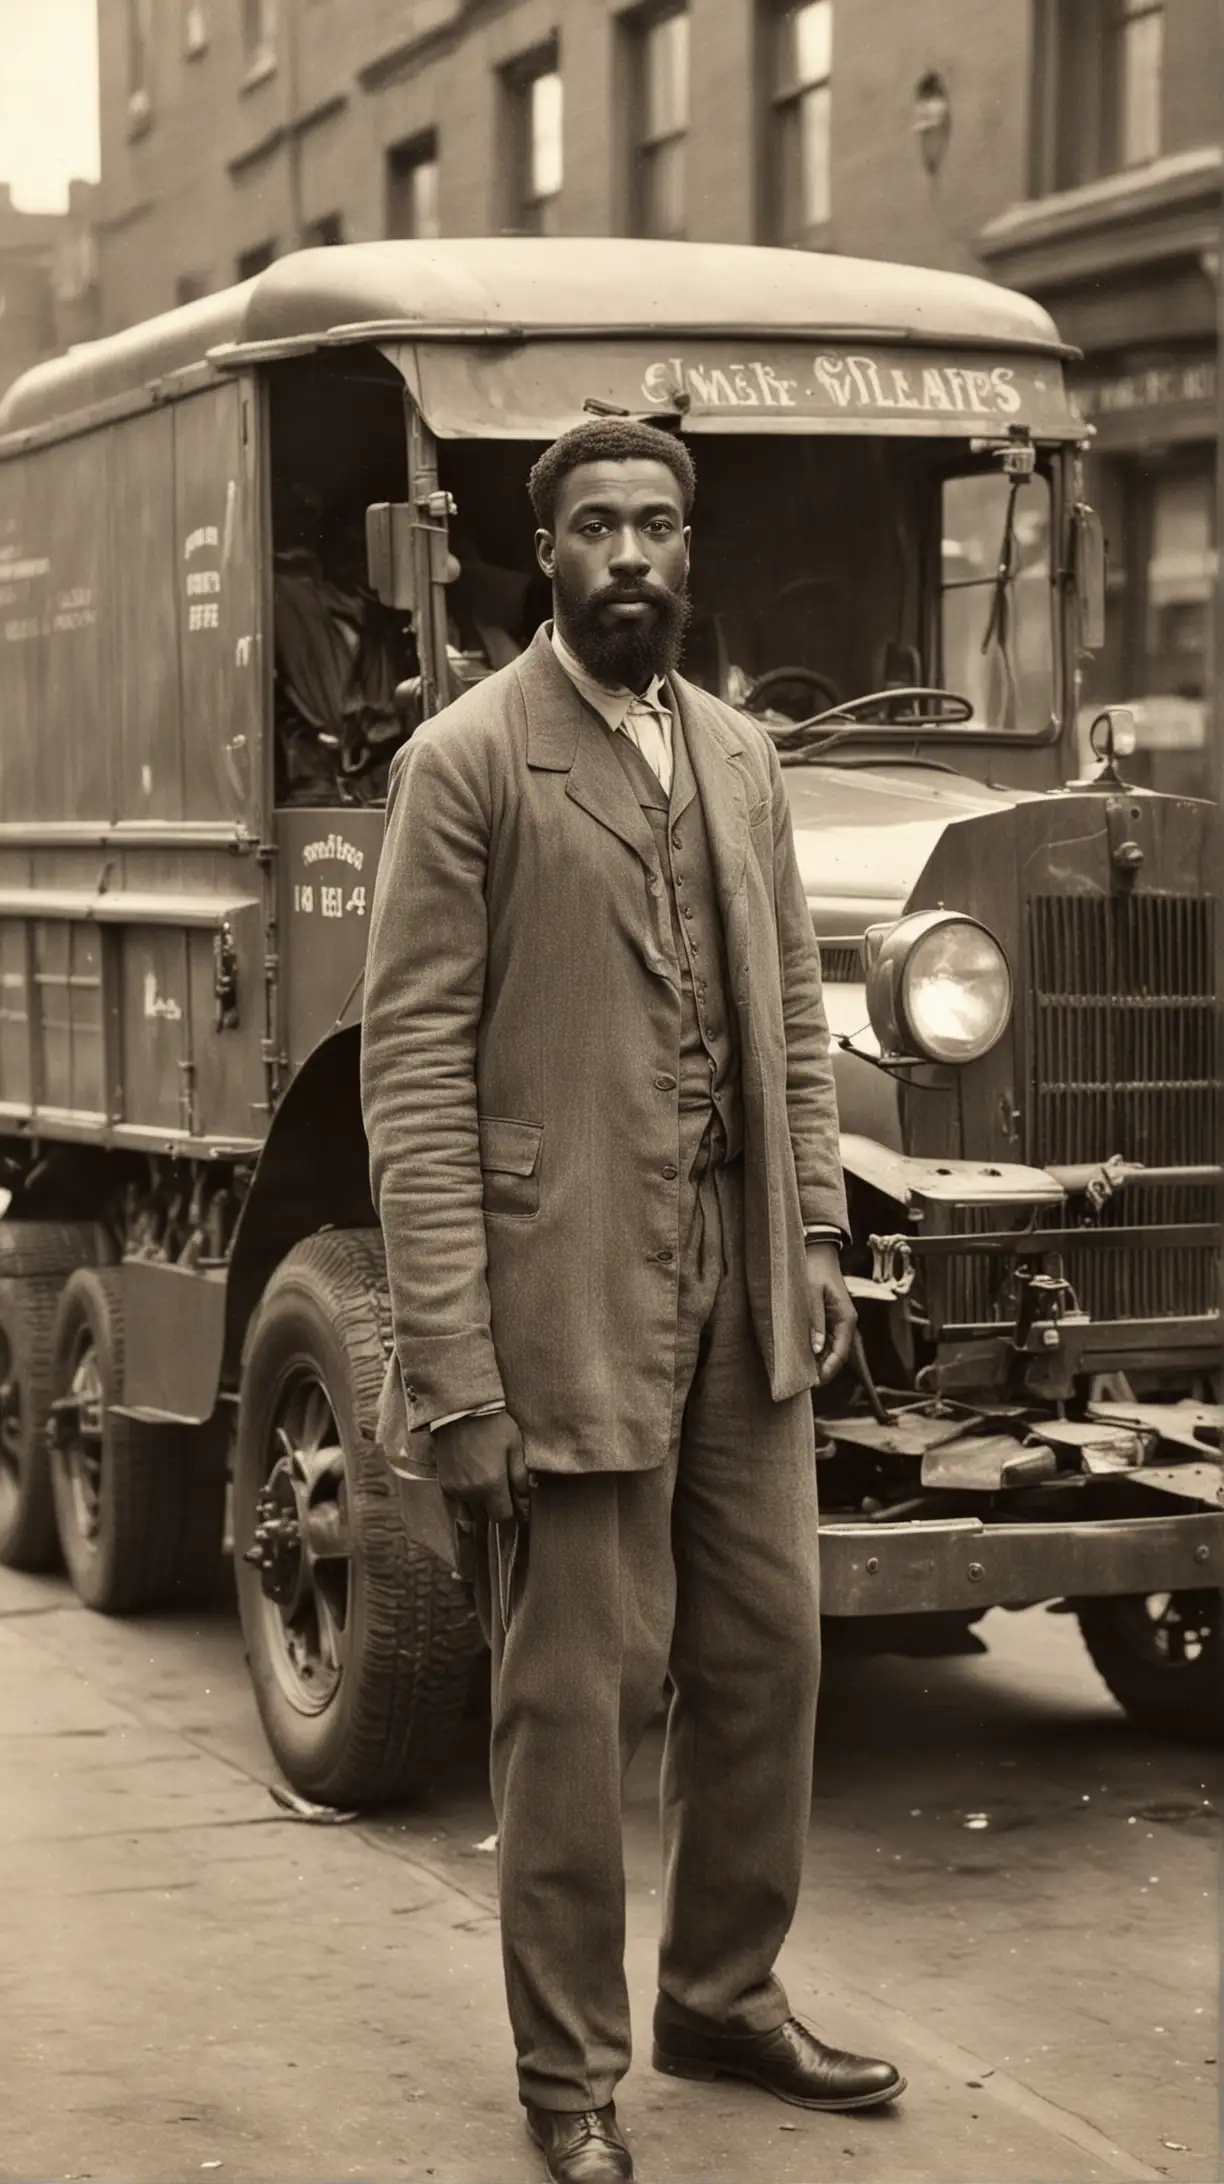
point(604, 1149)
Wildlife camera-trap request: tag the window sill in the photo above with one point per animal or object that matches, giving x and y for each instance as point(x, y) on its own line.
point(263, 66)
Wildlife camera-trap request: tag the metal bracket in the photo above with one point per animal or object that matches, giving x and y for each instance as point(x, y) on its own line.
point(225, 977)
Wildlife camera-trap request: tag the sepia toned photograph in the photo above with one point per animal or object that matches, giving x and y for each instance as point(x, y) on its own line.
point(611, 1091)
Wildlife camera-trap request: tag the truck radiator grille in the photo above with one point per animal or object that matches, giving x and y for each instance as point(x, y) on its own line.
point(1123, 1035)
point(1121, 1060)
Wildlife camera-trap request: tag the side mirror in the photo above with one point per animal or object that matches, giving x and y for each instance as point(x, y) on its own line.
point(1088, 569)
point(395, 532)
point(389, 560)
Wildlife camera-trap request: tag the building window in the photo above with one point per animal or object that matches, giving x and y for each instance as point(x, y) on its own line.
point(255, 260)
point(140, 60)
point(412, 189)
point(1098, 89)
point(328, 229)
point(799, 151)
point(534, 111)
point(660, 100)
point(259, 35)
point(1136, 65)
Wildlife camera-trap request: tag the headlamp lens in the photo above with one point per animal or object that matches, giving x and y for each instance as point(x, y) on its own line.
point(956, 992)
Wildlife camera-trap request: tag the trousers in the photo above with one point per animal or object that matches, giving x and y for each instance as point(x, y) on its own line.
point(704, 1573)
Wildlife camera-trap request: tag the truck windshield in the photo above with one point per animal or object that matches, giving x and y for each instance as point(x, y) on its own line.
point(824, 570)
point(827, 572)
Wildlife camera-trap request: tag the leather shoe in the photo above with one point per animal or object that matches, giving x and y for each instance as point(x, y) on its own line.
point(580, 2146)
point(789, 2061)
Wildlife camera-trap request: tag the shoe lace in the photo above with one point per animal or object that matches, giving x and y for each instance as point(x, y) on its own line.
point(588, 2127)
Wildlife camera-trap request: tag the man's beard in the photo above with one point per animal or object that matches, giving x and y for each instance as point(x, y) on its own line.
point(623, 654)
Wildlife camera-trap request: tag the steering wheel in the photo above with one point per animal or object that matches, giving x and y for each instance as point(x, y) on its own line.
point(780, 678)
point(910, 705)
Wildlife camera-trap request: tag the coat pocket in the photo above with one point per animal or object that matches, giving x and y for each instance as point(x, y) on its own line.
point(510, 1165)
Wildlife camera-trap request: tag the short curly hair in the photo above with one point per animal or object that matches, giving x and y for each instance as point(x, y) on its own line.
point(607, 439)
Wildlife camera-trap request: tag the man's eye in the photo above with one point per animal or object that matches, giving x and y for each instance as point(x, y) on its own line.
point(593, 528)
point(663, 524)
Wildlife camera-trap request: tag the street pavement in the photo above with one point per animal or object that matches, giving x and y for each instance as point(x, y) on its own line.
point(1009, 1890)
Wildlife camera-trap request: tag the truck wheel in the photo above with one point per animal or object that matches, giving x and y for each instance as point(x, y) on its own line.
point(1162, 1656)
point(43, 1249)
point(136, 1505)
point(360, 1641)
point(27, 1504)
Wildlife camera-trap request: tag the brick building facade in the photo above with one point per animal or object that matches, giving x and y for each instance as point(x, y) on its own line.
point(1069, 147)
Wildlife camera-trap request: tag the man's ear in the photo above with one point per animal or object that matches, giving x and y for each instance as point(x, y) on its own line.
point(546, 553)
point(688, 546)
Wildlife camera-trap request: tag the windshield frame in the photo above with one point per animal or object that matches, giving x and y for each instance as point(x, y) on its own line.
point(829, 732)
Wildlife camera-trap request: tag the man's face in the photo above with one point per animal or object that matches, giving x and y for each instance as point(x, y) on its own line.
point(618, 558)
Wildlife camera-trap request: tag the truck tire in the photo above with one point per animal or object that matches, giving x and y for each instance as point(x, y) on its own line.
point(139, 1508)
point(43, 1250)
point(360, 1640)
point(27, 1505)
point(1162, 1657)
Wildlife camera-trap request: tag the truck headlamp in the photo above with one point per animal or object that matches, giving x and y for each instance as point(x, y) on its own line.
point(939, 985)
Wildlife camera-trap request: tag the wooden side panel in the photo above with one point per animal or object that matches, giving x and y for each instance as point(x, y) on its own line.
point(24, 590)
point(68, 1016)
point(156, 1024)
point(73, 748)
point(140, 474)
point(14, 1012)
point(230, 1080)
point(217, 584)
point(54, 624)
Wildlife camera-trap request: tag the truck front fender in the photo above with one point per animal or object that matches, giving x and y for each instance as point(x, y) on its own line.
point(313, 1173)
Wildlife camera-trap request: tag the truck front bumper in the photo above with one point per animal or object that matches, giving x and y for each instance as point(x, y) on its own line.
point(961, 1562)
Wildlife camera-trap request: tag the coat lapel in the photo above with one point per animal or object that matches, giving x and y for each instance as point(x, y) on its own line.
point(716, 756)
point(565, 736)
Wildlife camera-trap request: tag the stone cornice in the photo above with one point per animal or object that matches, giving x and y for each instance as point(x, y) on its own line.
point(1170, 208)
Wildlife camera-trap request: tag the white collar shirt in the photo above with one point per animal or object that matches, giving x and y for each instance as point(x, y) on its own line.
point(645, 720)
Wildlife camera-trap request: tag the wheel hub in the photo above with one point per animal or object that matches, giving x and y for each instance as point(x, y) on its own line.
point(276, 1549)
point(301, 1543)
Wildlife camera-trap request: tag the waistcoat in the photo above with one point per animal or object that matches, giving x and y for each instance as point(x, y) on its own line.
point(709, 1070)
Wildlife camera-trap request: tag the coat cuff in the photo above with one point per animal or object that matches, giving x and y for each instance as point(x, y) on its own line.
point(448, 1376)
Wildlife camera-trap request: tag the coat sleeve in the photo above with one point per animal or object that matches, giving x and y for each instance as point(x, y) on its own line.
point(425, 974)
point(811, 1096)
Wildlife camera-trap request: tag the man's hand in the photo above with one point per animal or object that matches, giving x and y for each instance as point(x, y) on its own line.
point(482, 1470)
point(833, 1317)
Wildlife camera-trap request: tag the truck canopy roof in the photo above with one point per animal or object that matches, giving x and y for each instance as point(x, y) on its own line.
point(534, 286)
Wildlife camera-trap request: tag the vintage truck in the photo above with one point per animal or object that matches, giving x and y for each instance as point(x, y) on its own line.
point(243, 548)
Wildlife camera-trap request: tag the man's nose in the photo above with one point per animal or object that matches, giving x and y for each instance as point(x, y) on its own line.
point(629, 557)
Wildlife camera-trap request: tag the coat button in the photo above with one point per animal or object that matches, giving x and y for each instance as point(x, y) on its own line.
point(665, 1084)
point(669, 1173)
point(688, 909)
point(677, 843)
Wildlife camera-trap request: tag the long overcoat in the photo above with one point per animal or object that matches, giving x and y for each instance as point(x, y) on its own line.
point(520, 1060)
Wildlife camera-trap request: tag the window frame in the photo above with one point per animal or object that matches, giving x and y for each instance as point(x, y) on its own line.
point(1079, 86)
point(785, 96)
point(402, 162)
point(646, 145)
point(531, 210)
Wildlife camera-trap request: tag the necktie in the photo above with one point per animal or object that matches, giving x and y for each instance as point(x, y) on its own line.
point(646, 726)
